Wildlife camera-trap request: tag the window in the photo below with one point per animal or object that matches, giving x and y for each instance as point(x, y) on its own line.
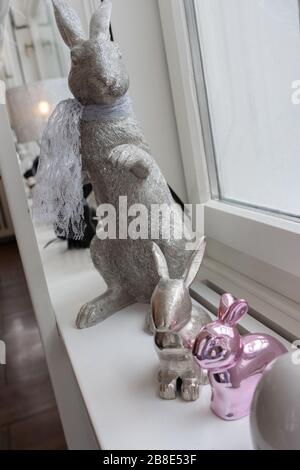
point(234, 67)
point(251, 58)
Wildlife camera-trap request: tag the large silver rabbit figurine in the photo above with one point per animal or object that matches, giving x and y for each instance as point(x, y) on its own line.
point(177, 322)
point(119, 163)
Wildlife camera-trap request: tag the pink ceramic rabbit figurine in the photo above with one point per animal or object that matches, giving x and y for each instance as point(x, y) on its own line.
point(235, 363)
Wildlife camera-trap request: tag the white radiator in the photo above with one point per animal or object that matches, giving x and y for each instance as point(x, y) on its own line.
point(6, 227)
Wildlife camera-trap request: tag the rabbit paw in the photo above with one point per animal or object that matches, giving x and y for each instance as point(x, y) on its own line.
point(149, 326)
point(190, 390)
point(167, 385)
point(131, 158)
point(98, 310)
point(140, 169)
point(167, 391)
point(87, 316)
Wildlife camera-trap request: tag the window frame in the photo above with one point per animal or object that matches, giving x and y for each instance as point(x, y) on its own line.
point(255, 234)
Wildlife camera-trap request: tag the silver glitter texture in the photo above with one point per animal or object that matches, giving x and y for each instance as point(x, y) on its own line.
point(176, 323)
point(119, 163)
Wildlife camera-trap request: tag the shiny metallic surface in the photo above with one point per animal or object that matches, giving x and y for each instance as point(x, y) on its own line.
point(118, 162)
point(235, 363)
point(275, 410)
point(176, 323)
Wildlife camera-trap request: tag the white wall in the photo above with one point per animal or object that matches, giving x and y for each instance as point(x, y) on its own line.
point(137, 28)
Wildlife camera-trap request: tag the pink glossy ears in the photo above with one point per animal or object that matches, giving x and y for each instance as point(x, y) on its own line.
point(232, 310)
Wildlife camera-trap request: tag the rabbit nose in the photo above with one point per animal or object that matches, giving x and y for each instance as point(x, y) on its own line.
point(110, 83)
point(167, 341)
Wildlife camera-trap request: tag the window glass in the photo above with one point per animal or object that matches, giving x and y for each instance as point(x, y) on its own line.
point(251, 60)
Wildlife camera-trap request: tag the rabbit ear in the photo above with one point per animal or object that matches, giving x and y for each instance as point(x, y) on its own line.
point(68, 23)
point(226, 301)
point(195, 263)
point(232, 310)
point(160, 262)
point(100, 21)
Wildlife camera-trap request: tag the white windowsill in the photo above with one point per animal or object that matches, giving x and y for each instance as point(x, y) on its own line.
point(116, 365)
point(271, 239)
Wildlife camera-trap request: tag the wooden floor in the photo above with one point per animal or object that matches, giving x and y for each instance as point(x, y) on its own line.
point(28, 414)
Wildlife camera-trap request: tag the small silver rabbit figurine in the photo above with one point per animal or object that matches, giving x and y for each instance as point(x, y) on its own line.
point(176, 323)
